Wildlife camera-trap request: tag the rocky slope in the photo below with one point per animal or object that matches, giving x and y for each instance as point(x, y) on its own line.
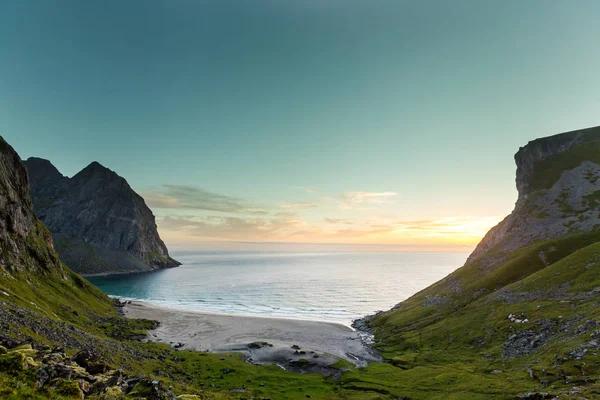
point(99, 224)
point(520, 319)
point(556, 197)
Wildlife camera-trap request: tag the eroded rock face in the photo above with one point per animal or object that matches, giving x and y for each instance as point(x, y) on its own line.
point(25, 244)
point(535, 151)
point(568, 206)
point(99, 224)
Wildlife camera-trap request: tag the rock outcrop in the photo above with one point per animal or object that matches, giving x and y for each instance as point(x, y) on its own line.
point(81, 376)
point(99, 224)
point(558, 180)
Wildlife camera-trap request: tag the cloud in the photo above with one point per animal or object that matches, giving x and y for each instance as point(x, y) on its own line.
point(231, 228)
point(286, 214)
point(307, 189)
point(299, 205)
point(447, 226)
point(193, 198)
point(374, 230)
point(339, 221)
point(192, 214)
point(369, 197)
point(263, 229)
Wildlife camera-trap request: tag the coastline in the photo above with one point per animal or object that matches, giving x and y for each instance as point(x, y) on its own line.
point(288, 340)
point(98, 274)
point(111, 273)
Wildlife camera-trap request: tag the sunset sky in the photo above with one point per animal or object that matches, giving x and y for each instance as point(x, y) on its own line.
point(385, 123)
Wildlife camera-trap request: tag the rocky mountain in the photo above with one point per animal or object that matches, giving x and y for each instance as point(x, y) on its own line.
point(520, 320)
point(99, 224)
point(558, 181)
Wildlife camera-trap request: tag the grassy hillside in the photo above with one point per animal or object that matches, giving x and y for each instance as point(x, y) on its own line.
point(456, 348)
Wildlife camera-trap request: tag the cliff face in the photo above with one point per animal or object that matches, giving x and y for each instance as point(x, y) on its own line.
point(26, 245)
point(99, 224)
point(558, 184)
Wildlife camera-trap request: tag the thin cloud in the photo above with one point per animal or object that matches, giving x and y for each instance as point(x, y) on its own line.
point(286, 214)
point(230, 228)
point(307, 189)
point(369, 197)
point(299, 205)
point(339, 221)
point(192, 198)
point(375, 230)
point(447, 226)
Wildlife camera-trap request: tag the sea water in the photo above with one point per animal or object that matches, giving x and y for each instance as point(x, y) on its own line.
point(326, 286)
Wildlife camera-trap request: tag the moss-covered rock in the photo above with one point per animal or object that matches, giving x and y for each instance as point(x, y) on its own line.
point(68, 389)
point(12, 362)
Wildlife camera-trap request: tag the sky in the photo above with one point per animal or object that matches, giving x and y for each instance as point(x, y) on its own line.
point(387, 124)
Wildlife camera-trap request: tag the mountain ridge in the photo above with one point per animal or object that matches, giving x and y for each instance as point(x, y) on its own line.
point(99, 224)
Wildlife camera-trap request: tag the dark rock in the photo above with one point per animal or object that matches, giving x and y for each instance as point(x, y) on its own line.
point(536, 396)
point(259, 345)
point(9, 342)
point(82, 358)
point(99, 224)
point(43, 376)
point(95, 368)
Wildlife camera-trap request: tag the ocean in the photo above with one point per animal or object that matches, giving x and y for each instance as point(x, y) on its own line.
point(333, 287)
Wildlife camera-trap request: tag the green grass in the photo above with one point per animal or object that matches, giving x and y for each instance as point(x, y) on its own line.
point(472, 281)
point(449, 351)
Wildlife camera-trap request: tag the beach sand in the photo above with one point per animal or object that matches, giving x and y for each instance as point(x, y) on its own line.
point(230, 333)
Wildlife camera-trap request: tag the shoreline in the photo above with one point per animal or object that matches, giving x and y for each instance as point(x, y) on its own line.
point(95, 275)
point(175, 308)
point(110, 273)
point(263, 340)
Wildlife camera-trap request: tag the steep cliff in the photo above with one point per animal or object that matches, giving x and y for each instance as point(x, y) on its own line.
point(26, 245)
point(558, 181)
point(31, 273)
point(520, 319)
point(99, 224)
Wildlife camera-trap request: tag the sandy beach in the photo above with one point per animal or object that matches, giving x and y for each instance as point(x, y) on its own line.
point(321, 342)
